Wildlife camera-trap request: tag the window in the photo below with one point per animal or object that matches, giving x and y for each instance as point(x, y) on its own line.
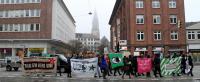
point(39, 1)
point(6, 27)
point(27, 13)
point(11, 27)
point(1, 14)
point(172, 3)
point(37, 27)
point(173, 19)
point(27, 26)
point(157, 35)
point(16, 27)
point(37, 13)
point(1, 27)
point(19, 13)
point(174, 35)
point(6, 14)
point(2, 1)
point(22, 1)
point(32, 13)
point(17, 1)
point(140, 36)
point(7, 1)
point(198, 35)
point(12, 1)
point(139, 4)
point(32, 27)
point(156, 19)
point(21, 28)
point(139, 19)
point(191, 35)
point(156, 4)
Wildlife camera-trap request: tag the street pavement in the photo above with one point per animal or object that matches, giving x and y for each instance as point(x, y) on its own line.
point(18, 77)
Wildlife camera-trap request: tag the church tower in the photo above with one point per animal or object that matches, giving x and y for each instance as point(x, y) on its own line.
point(95, 26)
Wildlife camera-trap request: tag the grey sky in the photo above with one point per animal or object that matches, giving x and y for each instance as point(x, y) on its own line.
point(80, 9)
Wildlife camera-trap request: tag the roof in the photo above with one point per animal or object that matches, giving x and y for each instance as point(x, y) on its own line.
point(66, 9)
point(187, 24)
point(195, 26)
point(85, 35)
point(115, 10)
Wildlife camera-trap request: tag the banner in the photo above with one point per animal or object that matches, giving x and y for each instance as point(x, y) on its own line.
point(39, 65)
point(84, 67)
point(144, 65)
point(169, 66)
point(116, 60)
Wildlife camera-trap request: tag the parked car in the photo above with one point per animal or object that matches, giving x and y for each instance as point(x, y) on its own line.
point(12, 63)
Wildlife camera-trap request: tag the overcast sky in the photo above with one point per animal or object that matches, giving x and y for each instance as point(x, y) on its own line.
point(80, 9)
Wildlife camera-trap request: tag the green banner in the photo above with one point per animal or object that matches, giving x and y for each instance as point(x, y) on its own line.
point(170, 66)
point(116, 60)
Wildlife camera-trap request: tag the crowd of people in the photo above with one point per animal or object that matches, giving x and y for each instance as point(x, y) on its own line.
point(130, 67)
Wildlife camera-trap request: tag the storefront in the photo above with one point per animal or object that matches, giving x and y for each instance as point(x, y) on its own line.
point(176, 52)
point(5, 52)
point(194, 50)
point(141, 50)
point(158, 51)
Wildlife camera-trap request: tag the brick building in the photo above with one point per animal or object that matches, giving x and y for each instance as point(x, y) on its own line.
point(149, 26)
point(36, 26)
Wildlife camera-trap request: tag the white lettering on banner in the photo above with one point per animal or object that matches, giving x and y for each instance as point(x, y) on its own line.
point(84, 67)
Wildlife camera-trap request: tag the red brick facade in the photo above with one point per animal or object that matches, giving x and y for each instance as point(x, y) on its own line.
point(45, 20)
point(126, 11)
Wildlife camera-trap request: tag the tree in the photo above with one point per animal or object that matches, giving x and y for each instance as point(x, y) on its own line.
point(104, 44)
point(75, 46)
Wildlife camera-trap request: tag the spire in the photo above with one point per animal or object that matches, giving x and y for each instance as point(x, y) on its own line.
point(95, 25)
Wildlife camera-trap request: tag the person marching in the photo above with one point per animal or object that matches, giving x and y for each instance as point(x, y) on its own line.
point(104, 66)
point(126, 68)
point(190, 62)
point(157, 65)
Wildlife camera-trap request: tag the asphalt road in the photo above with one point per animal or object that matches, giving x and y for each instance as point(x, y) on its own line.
point(18, 77)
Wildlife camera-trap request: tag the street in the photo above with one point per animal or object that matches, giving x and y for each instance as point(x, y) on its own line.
point(18, 77)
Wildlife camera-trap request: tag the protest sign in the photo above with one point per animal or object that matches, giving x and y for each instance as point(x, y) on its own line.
point(84, 67)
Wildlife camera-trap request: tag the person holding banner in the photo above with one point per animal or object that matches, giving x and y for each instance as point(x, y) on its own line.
point(157, 65)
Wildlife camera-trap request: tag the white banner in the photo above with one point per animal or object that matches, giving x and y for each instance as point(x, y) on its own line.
point(84, 67)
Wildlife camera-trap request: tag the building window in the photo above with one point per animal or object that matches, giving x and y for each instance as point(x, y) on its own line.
point(198, 35)
point(16, 27)
point(157, 35)
point(11, 27)
point(140, 36)
point(27, 26)
point(139, 4)
point(156, 19)
point(37, 13)
point(174, 35)
point(37, 27)
point(19, 13)
point(32, 27)
point(173, 19)
point(27, 13)
point(1, 14)
point(191, 35)
point(139, 19)
point(19, 1)
point(1, 28)
point(172, 3)
point(156, 4)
